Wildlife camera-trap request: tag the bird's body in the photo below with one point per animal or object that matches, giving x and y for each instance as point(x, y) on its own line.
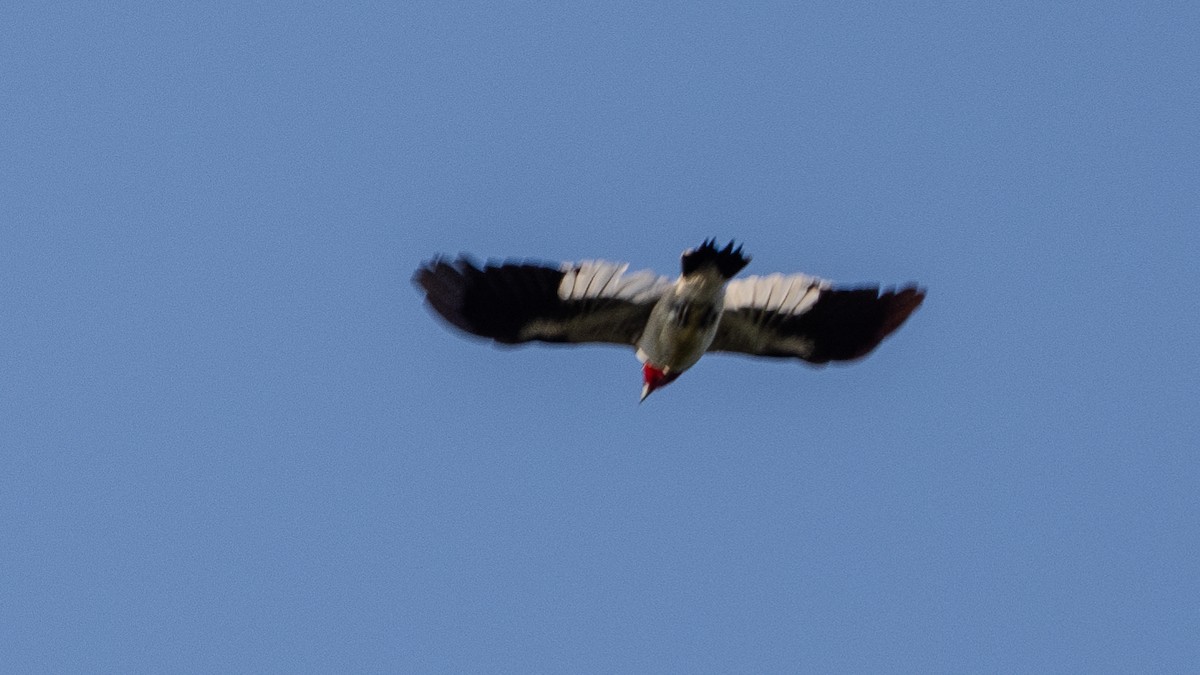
point(683, 322)
point(672, 324)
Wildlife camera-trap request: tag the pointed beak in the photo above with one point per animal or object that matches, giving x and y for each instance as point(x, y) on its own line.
point(645, 392)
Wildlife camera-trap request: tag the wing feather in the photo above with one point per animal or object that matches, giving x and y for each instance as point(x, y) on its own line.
point(516, 302)
point(805, 317)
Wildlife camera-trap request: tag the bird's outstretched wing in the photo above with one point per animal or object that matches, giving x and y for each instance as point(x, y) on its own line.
point(516, 302)
point(805, 317)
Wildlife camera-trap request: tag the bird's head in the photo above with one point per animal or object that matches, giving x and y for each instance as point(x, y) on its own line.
point(655, 377)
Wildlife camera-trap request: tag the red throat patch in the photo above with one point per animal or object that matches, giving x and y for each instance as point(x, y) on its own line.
point(654, 377)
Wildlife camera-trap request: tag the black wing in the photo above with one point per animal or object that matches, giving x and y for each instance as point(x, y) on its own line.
point(513, 302)
point(804, 317)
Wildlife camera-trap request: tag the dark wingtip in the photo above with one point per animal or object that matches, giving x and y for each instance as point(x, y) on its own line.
point(900, 304)
point(849, 323)
point(493, 300)
point(728, 261)
point(445, 283)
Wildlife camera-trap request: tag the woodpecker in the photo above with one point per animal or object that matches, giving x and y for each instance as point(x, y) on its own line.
point(671, 323)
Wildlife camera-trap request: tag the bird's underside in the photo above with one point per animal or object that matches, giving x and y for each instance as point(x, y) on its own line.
point(671, 322)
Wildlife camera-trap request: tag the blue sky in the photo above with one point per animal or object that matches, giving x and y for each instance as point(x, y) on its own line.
point(234, 440)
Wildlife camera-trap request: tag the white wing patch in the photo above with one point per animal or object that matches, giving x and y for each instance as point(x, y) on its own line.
point(596, 279)
point(790, 295)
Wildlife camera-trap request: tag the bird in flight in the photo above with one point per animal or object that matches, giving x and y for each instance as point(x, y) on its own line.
point(671, 323)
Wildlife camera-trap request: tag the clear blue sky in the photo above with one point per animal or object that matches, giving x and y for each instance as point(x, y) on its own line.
point(234, 440)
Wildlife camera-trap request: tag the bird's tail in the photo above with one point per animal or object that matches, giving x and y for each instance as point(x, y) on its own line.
point(728, 261)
